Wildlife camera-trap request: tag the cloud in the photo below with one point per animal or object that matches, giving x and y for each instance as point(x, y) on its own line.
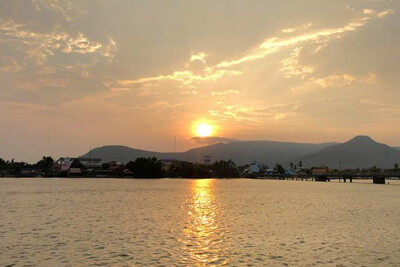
point(389, 110)
point(61, 8)
point(196, 71)
point(9, 65)
point(40, 46)
point(273, 44)
point(187, 78)
point(210, 140)
point(135, 66)
point(292, 68)
point(201, 72)
point(225, 93)
point(237, 113)
point(334, 81)
point(278, 113)
point(381, 15)
point(303, 27)
point(201, 56)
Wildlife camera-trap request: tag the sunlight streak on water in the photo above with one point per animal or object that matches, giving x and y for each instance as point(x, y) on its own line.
point(204, 238)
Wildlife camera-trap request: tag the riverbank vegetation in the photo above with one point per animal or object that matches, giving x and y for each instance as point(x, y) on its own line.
point(155, 168)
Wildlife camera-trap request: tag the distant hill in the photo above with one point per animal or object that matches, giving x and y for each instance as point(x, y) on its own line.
point(241, 152)
point(359, 152)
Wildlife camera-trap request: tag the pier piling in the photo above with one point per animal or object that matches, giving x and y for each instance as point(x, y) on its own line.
point(378, 180)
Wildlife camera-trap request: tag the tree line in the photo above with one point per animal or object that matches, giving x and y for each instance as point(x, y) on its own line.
point(155, 168)
point(11, 167)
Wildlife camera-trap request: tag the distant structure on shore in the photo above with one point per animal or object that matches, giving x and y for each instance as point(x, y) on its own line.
point(257, 168)
point(64, 163)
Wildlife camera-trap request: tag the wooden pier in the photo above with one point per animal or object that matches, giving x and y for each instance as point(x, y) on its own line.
point(377, 177)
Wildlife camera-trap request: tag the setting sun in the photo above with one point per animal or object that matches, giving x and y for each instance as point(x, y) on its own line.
point(203, 129)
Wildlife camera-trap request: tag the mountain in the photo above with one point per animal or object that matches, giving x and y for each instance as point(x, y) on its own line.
point(359, 152)
point(241, 152)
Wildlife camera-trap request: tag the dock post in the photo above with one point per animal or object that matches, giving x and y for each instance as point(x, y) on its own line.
point(351, 179)
point(344, 179)
point(378, 180)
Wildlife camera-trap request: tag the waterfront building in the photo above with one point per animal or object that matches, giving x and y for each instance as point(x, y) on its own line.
point(256, 167)
point(64, 163)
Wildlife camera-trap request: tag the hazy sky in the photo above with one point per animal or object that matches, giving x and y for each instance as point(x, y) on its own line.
point(76, 74)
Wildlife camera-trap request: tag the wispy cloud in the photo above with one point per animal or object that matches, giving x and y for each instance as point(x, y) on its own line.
point(334, 81)
point(291, 66)
point(8, 64)
point(212, 140)
point(186, 77)
point(273, 44)
point(382, 14)
point(271, 114)
point(225, 93)
point(201, 56)
point(60, 7)
point(302, 27)
point(40, 46)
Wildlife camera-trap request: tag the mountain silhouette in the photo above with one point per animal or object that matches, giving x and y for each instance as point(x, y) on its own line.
point(359, 152)
point(241, 152)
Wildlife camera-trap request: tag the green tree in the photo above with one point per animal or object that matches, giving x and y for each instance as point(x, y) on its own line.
point(291, 165)
point(45, 164)
point(184, 169)
point(225, 169)
point(279, 168)
point(105, 166)
point(242, 168)
point(300, 164)
point(3, 164)
point(374, 169)
point(146, 168)
point(396, 166)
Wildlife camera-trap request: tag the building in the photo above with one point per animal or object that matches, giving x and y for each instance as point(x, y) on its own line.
point(64, 163)
point(115, 163)
point(256, 167)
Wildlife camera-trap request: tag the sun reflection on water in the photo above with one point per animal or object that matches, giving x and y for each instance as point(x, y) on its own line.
point(204, 239)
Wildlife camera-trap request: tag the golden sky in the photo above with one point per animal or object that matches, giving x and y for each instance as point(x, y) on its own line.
point(80, 74)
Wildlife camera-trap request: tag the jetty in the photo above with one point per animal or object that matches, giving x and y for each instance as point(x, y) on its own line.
point(377, 177)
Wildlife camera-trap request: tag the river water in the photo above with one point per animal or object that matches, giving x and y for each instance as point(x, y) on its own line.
point(111, 222)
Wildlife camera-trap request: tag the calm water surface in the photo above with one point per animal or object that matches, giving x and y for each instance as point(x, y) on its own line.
point(92, 222)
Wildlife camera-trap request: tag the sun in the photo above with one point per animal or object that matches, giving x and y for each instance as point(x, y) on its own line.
point(203, 129)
